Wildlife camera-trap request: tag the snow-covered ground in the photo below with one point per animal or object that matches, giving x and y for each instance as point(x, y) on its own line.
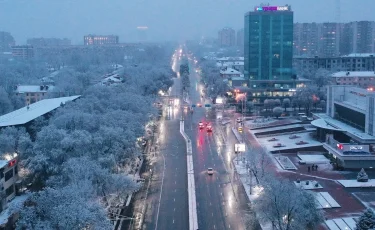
point(288, 143)
point(313, 158)
point(356, 184)
point(285, 163)
point(255, 131)
point(255, 190)
point(309, 186)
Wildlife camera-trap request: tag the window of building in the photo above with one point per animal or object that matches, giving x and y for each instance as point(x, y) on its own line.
point(27, 94)
point(8, 175)
point(9, 191)
point(16, 170)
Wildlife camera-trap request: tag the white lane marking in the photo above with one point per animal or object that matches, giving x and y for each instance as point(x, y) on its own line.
point(174, 199)
point(161, 192)
point(173, 221)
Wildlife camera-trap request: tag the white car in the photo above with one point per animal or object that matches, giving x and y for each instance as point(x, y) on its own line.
point(210, 171)
point(239, 120)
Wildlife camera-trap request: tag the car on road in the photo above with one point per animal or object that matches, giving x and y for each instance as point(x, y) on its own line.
point(210, 171)
point(209, 128)
point(199, 105)
point(239, 120)
point(240, 129)
point(200, 125)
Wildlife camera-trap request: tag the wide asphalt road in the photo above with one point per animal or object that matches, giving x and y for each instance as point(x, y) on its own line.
point(169, 187)
point(221, 200)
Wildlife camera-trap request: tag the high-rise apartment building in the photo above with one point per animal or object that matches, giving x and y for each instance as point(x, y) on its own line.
point(227, 37)
point(100, 39)
point(329, 44)
point(333, 39)
point(240, 38)
point(269, 52)
point(48, 42)
point(357, 37)
point(6, 41)
point(305, 39)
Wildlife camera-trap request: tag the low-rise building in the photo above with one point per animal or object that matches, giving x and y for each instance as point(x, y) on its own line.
point(351, 62)
point(348, 126)
point(33, 93)
point(23, 52)
point(363, 79)
point(227, 73)
point(100, 39)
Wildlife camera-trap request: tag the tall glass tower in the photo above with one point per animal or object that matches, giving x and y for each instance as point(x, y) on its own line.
point(269, 49)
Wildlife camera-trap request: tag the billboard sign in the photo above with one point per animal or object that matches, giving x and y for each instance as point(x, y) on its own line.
point(239, 147)
point(272, 8)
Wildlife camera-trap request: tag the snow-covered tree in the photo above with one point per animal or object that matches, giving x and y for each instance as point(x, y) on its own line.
point(71, 207)
point(5, 103)
point(362, 176)
point(277, 111)
point(257, 163)
point(321, 77)
point(286, 103)
point(286, 206)
point(366, 220)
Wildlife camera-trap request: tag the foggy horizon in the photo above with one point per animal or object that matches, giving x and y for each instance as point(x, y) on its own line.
point(167, 20)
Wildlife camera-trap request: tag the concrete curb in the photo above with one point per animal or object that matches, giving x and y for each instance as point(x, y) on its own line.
point(193, 217)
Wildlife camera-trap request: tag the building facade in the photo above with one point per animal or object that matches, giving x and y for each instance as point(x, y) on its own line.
point(100, 40)
point(23, 52)
point(269, 53)
point(333, 39)
point(306, 39)
point(8, 179)
point(240, 38)
point(46, 42)
point(351, 62)
point(6, 41)
point(33, 93)
point(227, 37)
point(347, 128)
point(362, 79)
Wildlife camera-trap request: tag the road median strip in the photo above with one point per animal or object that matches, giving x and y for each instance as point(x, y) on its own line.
point(193, 218)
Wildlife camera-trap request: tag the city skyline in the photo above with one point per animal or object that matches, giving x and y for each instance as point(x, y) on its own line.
point(176, 20)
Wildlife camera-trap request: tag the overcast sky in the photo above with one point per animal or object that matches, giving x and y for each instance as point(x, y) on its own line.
point(166, 19)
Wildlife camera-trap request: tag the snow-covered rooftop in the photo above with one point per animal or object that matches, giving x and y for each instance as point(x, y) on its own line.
point(3, 163)
point(33, 89)
point(354, 74)
point(24, 115)
point(359, 55)
point(240, 78)
point(16, 204)
point(230, 71)
point(328, 122)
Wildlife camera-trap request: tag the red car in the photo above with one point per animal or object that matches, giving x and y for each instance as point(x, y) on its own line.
point(209, 128)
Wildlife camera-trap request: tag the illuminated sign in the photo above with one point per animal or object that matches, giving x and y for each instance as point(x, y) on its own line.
point(239, 147)
point(348, 147)
point(272, 8)
point(355, 147)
